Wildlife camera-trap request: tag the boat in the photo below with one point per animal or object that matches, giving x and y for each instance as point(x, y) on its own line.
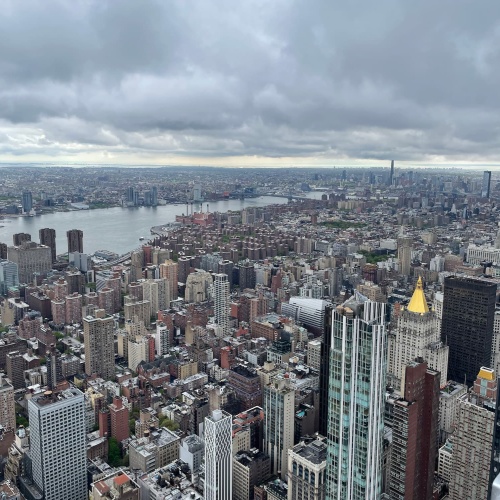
point(141, 238)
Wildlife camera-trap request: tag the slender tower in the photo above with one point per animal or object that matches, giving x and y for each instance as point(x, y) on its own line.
point(356, 400)
point(218, 456)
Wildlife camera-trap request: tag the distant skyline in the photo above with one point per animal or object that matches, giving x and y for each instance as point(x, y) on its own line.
point(256, 83)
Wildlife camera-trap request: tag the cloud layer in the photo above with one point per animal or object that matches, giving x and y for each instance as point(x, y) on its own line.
point(253, 82)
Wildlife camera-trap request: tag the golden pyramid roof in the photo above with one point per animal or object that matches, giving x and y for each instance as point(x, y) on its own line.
point(418, 304)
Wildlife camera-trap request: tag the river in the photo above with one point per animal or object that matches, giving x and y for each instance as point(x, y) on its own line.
point(116, 229)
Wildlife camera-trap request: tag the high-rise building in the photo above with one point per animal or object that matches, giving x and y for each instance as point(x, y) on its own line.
point(250, 468)
point(414, 434)
point(169, 270)
point(218, 456)
point(157, 293)
point(467, 325)
point(19, 238)
point(9, 276)
point(57, 444)
point(356, 399)
point(48, 238)
point(279, 406)
point(417, 335)
point(31, 260)
point(3, 250)
point(119, 419)
point(405, 244)
point(162, 339)
point(221, 302)
point(485, 188)
point(7, 405)
point(27, 202)
point(324, 372)
point(98, 334)
point(247, 276)
point(473, 440)
point(197, 286)
point(307, 470)
point(75, 240)
point(390, 179)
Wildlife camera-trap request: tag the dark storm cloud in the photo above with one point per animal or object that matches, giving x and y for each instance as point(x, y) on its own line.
point(317, 79)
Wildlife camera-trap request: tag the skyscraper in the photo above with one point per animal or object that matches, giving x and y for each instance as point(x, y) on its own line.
point(416, 336)
point(169, 269)
point(48, 238)
point(390, 179)
point(75, 240)
point(414, 433)
point(467, 325)
point(27, 202)
point(19, 238)
point(221, 301)
point(31, 259)
point(218, 456)
point(356, 400)
point(485, 188)
point(57, 444)
point(404, 254)
point(98, 334)
point(279, 406)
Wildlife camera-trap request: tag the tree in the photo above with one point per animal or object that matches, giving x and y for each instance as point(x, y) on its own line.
point(114, 455)
point(169, 424)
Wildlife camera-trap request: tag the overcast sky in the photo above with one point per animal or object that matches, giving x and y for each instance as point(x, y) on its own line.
point(243, 82)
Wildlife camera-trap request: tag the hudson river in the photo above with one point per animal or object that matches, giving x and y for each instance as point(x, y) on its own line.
point(117, 229)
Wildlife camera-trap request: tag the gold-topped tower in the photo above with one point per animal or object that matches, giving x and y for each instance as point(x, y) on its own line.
point(418, 304)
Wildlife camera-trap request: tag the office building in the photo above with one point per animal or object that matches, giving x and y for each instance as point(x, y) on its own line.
point(9, 276)
point(324, 373)
point(467, 325)
point(472, 451)
point(98, 334)
point(307, 470)
point(415, 434)
point(27, 202)
point(416, 336)
point(279, 406)
point(75, 240)
point(31, 259)
point(390, 179)
point(485, 188)
point(405, 245)
point(221, 302)
point(48, 238)
point(356, 399)
point(218, 456)
point(246, 386)
point(57, 444)
point(3, 250)
point(7, 404)
point(247, 276)
point(310, 312)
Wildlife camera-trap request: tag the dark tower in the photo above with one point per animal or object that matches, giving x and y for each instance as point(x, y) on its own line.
point(467, 325)
point(391, 175)
point(75, 240)
point(48, 238)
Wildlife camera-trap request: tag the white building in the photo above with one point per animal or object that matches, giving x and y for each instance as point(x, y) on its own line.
point(58, 448)
point(218, 456)
point(221, 302)
point(448, 402)
point(162, 339)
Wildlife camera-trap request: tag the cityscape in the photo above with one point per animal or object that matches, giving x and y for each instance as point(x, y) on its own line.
point(249, 250)
point(341, 342)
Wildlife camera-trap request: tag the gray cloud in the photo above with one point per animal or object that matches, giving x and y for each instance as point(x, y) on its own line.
point(321, 80)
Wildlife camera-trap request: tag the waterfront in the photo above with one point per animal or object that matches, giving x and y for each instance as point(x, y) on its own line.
point(116, 229)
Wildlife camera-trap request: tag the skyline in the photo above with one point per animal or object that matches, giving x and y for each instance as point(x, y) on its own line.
point(258, 85)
